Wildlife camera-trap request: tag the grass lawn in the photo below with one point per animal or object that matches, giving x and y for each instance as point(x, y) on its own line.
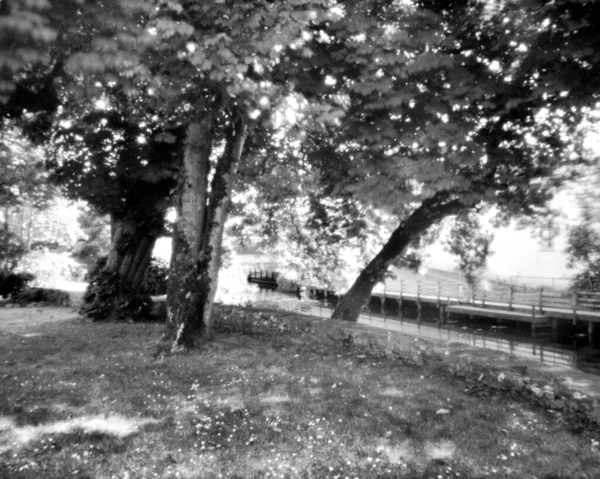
point(81, 400)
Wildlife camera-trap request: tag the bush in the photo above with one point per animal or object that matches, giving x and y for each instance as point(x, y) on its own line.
point(156, 278)
point(48, 296)
point(13, 283)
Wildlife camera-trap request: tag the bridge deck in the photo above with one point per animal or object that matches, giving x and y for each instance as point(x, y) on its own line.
point(538, 320)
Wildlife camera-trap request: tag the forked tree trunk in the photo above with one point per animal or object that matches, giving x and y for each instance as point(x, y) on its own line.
point(427, 214)
point(197, 236)
point(114, 289)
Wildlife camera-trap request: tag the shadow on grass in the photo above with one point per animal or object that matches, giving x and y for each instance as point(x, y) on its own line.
point(88, 400)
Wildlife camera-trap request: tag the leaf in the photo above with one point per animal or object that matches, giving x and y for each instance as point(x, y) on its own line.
point(165, 137)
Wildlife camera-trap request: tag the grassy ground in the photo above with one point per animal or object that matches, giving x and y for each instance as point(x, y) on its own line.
point(88, 400)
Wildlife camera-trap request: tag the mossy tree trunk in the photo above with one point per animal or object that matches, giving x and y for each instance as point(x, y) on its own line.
point(115, 284)
point(201, 213)
point(410, 230)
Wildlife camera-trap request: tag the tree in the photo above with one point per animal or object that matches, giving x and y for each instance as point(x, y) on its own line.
point(453, 106)
point(87, 49)
point(25, 37)
point(125, 169)
point(230, 52)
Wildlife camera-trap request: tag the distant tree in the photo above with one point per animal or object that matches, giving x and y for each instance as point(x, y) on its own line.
point(96, 243)
point(471, 244)
point(583, 250)
point(23, 177)
point(12, 250)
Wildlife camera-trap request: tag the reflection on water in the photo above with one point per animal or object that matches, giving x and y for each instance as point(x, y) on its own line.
point(251, 294)
point(234, 288)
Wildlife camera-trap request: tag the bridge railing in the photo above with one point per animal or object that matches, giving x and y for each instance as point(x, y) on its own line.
point(511, 296)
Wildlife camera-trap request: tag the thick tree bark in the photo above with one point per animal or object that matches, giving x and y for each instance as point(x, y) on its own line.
point(114, 289)
point(427, 214)
point(197, 237)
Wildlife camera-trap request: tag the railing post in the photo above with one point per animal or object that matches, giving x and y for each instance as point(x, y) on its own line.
point(574, 302)
point(483, 299)
point(439, 305)
point(541, 300)
point(511, 293)
point(400, 302)
point(419, 303)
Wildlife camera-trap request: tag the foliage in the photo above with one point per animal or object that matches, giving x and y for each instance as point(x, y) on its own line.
point(471, 244)
point(583, 240)
point(156, 278)
point(588, 279)
point(316, 239)
point(24, 39)
point(115, 161)
point(583, 250)
point(435, 121)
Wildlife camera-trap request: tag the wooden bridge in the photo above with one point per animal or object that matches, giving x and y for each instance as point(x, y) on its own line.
point(265, 279)
point(539, 307)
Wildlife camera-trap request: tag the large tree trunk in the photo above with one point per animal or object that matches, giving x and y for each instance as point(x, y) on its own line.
point(114, 289)
point(201, 215)
point(428, 213)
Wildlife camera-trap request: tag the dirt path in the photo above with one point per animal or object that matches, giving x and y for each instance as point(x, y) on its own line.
point(23, 320)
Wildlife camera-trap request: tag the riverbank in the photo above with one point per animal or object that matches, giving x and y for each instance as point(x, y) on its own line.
point(275, 394)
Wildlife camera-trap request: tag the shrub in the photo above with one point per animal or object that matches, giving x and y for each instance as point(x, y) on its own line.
point(156, 278)
point(49, 296)
point(98, 302)
point(13, 283)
